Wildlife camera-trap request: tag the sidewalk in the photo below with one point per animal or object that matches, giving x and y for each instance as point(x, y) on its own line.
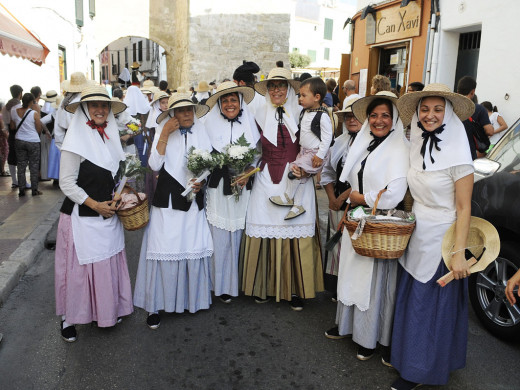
point(24, 225)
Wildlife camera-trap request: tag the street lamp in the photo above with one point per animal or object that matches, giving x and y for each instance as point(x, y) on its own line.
point(366, 11)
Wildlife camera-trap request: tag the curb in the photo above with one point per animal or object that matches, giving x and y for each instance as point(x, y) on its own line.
point(12, 269)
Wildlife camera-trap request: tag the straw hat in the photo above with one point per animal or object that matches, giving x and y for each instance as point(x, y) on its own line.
point(183, 100)
point(57, 103)
point(407, 105)
point(482, 234)
point(277, 74)
point(182, 90)
point(341, 113)
point(230, 87)
point(158, 95)
point(96, 93)
point(135, 65)
point(203, 87)
point(359, 108)
point(77, 82)
point(50, 96)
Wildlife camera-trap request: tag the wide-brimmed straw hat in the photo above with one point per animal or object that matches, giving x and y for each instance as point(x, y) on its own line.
point(359, 108)
point(277, 74)
point(203, 87)
point(230, 87)
point(96, 93)
point(76, 84)
point(57, 103)
point(135, 65)
point(50, 96)
point(341, 113)
point(407, 104)
point(158, 95)
point(482, 234)
point(148, 87)
point(182, 100)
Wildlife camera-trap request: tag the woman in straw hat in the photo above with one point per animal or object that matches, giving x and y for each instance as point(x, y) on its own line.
point(203, 92)
point(91, 281)
point(377, 160)
point(282, 258)
point(338, 191)
point(228, 120)
point(431, 322)
point(173, 273)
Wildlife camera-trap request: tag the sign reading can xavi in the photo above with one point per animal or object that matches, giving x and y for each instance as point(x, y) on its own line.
point(397, 23)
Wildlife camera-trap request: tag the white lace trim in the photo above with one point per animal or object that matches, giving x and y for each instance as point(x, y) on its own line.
point(352, 303)
point(159, 256)
point(225, 223)
point(270, 231)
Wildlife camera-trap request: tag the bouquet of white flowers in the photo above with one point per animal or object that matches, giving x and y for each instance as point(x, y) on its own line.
point(200, 163)
point(238, 156)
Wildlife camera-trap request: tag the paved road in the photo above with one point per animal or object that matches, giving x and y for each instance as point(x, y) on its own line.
point(242, 345)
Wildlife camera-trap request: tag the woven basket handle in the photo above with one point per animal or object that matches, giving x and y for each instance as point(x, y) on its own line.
point(139, 200)
point(343, 220)
point(377, 201)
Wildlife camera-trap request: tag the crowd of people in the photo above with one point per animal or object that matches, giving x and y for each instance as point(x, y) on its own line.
point(262, 241)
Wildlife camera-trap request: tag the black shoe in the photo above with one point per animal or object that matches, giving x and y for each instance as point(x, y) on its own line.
point(333, 334)
point(225, 298)
point(291, 175)
point(13, 186)
point(262, 300)
point(69, 333)
point(153, 321)
point(119, 320)
point(21, 193)
point(403, 384)
point(296, 303)
point(385, 356)
point(36, 193)
point(334, 298)
point(364, 353)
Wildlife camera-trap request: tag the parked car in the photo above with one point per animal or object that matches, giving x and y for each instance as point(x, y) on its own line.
point(496, 198)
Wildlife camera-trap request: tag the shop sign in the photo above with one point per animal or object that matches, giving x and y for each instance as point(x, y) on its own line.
point(398, 23)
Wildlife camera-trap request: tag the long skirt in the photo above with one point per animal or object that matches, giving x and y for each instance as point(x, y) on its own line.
point(53, 168)
point(430, 328)
point(282, 267)
point(44, 156)
point(172, 285)
point(373, 325)
point(224, 263)
point(92, 292)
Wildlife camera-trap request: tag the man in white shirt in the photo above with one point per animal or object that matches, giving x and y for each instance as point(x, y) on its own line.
point(349, 88)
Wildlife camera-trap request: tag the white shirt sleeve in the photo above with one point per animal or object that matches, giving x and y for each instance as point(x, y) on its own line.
point(326, 135)
point(155, 161)
point(69, 171)
point(328, 173)
point(394, 194)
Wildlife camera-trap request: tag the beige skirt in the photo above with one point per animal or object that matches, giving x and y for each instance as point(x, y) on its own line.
point(281, 267)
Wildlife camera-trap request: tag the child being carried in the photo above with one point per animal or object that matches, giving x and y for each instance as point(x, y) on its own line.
point(315, 139)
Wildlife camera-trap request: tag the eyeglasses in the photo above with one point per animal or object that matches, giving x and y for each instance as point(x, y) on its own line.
point(279, 87)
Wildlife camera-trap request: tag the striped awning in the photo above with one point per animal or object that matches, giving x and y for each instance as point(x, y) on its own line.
point(16, 40)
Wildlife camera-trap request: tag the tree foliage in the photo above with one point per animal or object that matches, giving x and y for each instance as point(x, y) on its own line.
point(299, 60)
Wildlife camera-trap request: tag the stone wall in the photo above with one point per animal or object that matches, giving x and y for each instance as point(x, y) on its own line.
point(219, 43)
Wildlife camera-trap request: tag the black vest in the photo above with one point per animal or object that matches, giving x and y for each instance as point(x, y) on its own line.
point(97, 182)
point(168, 187)
point(340, 186)
point(315, 123)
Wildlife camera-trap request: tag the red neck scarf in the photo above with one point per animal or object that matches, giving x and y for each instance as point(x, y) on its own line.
point(100, 128)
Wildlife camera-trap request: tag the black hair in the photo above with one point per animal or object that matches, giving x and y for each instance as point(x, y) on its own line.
point(304, 76)
point(279, 64)
point(316, 86)
point(163, 85)
point(27, 99)
point(118, 93)
point(417, 86)
point(36, 91)
point(466, 85)
point(377, 102)
point(490, 107)
point(16, 90)
point(245, 72)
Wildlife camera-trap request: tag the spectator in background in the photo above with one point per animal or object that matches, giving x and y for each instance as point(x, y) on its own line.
point(15, 102)
point(331, 97)
point(304, 76)
point(349, 89)
point(380, 83)
point(466, 87)
point(498, 123)
point(279, 64)
point(163, 86)
point(244, 75)
point(415, 86)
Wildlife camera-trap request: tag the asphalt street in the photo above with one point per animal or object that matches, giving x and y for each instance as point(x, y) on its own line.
point(242, 345)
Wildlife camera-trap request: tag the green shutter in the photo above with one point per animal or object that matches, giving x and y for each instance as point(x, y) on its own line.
point(79, 13)
point(92, 8)
point(327, 33)
point(326, 55)
point(312, 55)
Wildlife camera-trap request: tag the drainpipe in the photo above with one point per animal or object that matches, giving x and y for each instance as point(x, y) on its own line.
point(430, 49)
point(428, 39)
point(435, 59)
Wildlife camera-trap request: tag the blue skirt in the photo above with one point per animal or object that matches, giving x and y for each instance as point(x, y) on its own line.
point(430, 334)
point(53, 165)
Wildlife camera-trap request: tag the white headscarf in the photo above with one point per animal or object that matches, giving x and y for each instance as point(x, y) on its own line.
point(385, 164)
point(155, 111)
point(175, 161)
point(136, 102)
point(266, 118)
point(221, 132)
point(81, 139)
point(453, 144)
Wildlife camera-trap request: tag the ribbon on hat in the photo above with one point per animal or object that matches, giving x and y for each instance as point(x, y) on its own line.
point(434, 141)
point(100, 128)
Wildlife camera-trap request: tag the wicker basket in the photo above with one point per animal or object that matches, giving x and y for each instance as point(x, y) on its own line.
point(381, 240)
point(136, 217)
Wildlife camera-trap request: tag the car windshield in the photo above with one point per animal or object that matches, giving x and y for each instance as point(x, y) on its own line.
point(507, 151)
